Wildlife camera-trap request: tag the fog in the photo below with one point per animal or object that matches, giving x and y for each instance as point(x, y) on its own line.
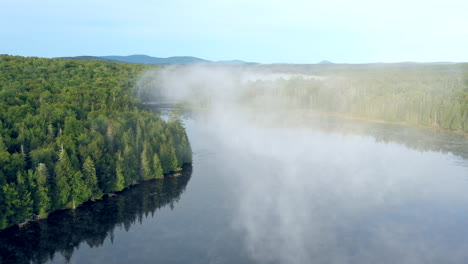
point(303, 195)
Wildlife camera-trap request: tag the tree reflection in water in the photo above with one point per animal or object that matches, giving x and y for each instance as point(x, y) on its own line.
point(92, 223)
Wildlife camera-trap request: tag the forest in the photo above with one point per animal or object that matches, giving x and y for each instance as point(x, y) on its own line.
point(72, 131)
point(61, 233)
point(428, 95)
point(419, 95)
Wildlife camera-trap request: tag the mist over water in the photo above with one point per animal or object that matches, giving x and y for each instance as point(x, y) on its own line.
point(303, 195)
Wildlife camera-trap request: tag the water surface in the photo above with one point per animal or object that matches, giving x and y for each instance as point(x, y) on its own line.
point(338, 193)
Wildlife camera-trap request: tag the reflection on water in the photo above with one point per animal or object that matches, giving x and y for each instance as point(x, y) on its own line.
point(415, 138)
point(92, 223)
point(342, 192)
point(348, 199)
point(327, 191)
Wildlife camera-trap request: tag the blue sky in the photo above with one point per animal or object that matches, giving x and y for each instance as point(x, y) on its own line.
point(293, 31)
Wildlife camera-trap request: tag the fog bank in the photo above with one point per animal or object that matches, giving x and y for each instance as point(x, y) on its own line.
point(308, 196)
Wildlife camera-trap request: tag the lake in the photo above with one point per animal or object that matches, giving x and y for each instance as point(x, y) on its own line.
point(331, 191)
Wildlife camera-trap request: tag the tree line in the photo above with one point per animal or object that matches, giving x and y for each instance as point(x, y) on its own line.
point(65, 231)
point(71, 131)
point(425, 95)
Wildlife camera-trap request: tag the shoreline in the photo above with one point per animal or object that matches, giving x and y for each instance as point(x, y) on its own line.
point(380, 121)
point(172, 174)
point(322, 114)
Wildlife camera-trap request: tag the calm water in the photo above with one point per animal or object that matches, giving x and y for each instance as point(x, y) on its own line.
point(344, 193)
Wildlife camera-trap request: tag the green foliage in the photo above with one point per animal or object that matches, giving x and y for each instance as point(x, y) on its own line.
point(91, 224)
point(61, 182)
point(42, 199)
point(145, 169)
point(157, 171)
point(183, 149)
point(435, 95)
point(119, 176)
point(18, 202)
point(168, 158)
point(71, 131)
point(79, 191)
point(90, 179)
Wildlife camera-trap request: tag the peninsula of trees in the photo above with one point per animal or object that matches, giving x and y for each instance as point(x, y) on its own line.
point(71, 131)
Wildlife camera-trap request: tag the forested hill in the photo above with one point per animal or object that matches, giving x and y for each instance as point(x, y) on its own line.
point(90, 58)
point(144, 59)
point(71, 131)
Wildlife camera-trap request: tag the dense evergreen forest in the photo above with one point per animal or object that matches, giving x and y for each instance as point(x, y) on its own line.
point(424, 95)
point(71, 131)
point(65, 231)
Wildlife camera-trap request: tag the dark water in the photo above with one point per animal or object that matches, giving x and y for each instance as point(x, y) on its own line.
point(344, 193)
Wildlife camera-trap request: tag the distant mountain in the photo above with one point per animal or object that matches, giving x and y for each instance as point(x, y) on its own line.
point(236, 62)
point(145, 59)
point(90, 58)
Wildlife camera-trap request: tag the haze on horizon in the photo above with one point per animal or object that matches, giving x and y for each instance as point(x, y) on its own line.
point(296, 31)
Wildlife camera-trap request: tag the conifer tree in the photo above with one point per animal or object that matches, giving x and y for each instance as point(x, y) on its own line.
point(119, 176)
point(130, 162)
point(24, 187)
point(18, 202)
point(42, 204)
point(4, 156)
point(30, 185)
point(13, 207)
point(79, 192)
point(145, 168)
point(157, 171)
point(168, 158)
point(90, 178)
point(63, 171)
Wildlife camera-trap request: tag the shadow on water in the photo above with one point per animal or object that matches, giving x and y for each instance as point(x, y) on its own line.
point(92, 223)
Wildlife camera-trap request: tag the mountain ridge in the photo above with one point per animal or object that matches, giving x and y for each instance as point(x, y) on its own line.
point(145, 59)
point(186, 60)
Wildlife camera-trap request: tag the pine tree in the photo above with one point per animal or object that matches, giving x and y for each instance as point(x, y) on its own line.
point(23, 186)
point(30, 185)
point(63, 171)
point(186, 151)
point(42, 204)
point(130, 162)
point(4, 156)
point(107, 172)
point(119, 175)
point(12, 204)
point(18, 202)
point(173, 159)
point(145, 169)
point(179, 137)
point(168, 158)
point(164, 157)
point(157, 171)
point(90, 178)
point(79, 192)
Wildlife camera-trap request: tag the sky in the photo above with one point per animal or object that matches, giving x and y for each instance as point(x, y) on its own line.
point(274, 31)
